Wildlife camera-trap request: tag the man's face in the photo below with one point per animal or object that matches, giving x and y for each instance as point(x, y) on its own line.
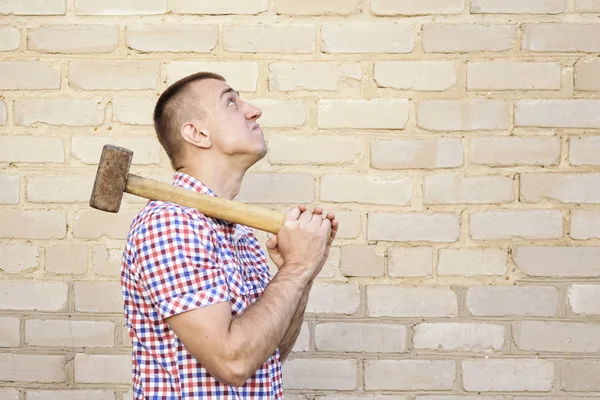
point(230, 121)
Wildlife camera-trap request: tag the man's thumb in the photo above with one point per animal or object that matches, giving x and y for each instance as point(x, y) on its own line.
point(272, 242)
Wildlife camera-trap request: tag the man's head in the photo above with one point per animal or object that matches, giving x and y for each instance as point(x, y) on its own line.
point(201, 112)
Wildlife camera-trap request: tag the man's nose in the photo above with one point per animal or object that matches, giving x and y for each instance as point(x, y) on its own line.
point(252, 112)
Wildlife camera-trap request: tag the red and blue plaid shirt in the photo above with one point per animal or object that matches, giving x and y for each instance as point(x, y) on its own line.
point(176, 259)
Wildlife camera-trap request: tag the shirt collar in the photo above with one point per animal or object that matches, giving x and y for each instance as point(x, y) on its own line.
point(188, 182)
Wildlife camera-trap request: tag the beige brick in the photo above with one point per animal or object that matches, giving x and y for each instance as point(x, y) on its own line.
point(561, 37)
point(518, 6)
point(41, 296)
point(117, 7)
point(102, 368)
point(250, 7)
point(31, 149)
point(415, 75)
point(67, 258)
point(396, 301)
point(92, 224)
point(32, 224)
point(332, 264)
point(260, 38)
point(508, 75)
point(317, 149)
point(114, 75)
point(558, 261)
point(9, 394)
point(472, 262)
point(416, 7)
point(33, 368)
point(460, 397)
point(587, 75)
point(103, 297)
point(106, 262)
point(10, 189)
point(69, 333)
point(146, 150)
point(584, 150)
point(360, 337)
point(10, 332)
point(574, 113)
point(3, 112)
point(58, 111)
point(349, 224)
point(367, 38)
point(134, 110)
point(579, 375)
point(303, 342)
point(458, 189)
point(587, 6)
point(327, 374)
point(334, 299)
point(463, 115)
point(563, 188)
point(584, 299)
point(280, 113)
point(15, 258)
point(33, 7)
point(410, 262)
point(468, 38)
point(172, 38)
point(509, 224)
point(515, 375)
point(559, 337)
point(59, 189)
point(28, 75)
point(277, 188)
point(345, 188)
point(410, 374)
point(414, 227)
point(514, 151)
point(70, 394)
point(416, 153)
point(317, 7)
point(526, 301)
point(242, 76)
point(363, 114)
point(458, 337)
point(10, 38)
point(361, 260)
point(74, 38)
point(325, 76)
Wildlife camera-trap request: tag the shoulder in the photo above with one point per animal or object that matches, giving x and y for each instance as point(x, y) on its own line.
point(162, 221)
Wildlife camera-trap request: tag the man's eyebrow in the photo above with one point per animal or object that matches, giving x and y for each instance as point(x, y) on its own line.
point(229, 90)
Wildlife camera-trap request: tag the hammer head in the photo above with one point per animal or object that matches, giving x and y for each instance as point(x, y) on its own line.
point(111, 178)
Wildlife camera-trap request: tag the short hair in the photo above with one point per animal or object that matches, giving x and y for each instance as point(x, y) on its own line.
point(170, 107)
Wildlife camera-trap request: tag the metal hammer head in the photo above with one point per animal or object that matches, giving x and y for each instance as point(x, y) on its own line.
point(111, 178)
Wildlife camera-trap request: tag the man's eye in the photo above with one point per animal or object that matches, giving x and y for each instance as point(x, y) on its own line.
point(230, 101)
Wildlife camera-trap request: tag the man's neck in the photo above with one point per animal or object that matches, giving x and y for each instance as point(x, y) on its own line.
point(223, 178)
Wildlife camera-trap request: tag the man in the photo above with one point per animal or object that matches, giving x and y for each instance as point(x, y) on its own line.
point(205, 317)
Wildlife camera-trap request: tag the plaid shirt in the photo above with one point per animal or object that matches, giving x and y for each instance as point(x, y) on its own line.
point(176, 259)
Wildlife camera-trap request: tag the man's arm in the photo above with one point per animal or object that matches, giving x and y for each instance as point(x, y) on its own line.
point(233, 349)
point(289, 340)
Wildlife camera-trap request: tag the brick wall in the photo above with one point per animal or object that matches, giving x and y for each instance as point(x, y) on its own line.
point(457, 140)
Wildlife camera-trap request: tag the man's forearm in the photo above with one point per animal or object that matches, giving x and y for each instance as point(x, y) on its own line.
point(259, 330)
point(293, 331)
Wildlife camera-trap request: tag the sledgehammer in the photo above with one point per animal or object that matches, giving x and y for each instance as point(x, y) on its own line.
point(113, 179)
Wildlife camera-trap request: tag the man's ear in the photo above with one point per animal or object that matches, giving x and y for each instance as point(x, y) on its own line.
point(193, 133)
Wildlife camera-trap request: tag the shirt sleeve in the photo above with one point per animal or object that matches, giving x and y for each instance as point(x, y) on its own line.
point(179, 268)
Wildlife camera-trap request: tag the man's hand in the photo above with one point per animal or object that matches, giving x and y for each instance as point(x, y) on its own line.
point(272, 242)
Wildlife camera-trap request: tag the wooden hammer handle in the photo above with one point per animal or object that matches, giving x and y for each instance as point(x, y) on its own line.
point(215, 207)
